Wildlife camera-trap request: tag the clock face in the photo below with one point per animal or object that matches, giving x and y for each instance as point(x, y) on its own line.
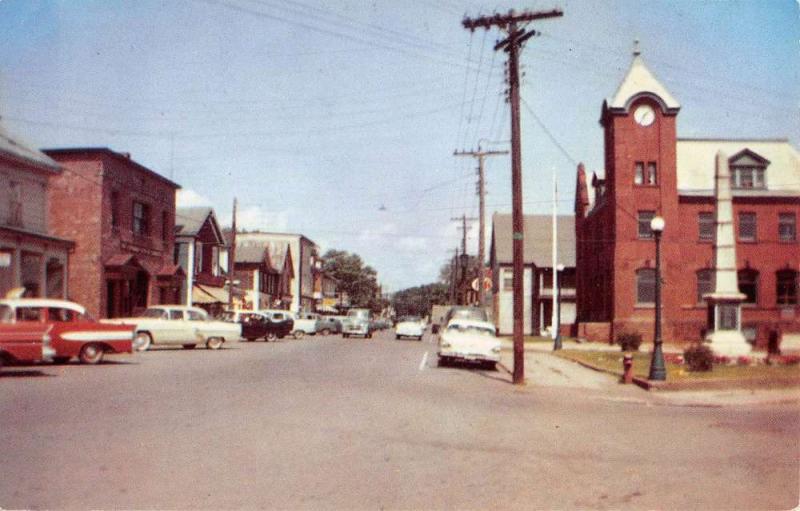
point(644, 115)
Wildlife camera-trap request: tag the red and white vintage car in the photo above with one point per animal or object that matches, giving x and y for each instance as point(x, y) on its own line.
point(25, 342)
point(71, 332)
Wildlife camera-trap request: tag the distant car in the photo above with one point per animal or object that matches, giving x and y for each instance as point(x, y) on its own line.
point(305, 323)
point(327, 325)
point(358, 322)
point(178, 325)
point(468, 340)
point(465, 312)
point(409, 326)
point(255, 325)
point(71, 331)
point(381, 324)
point(283, 319)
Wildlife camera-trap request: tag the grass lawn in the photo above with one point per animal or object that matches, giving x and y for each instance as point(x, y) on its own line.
point(612, 360)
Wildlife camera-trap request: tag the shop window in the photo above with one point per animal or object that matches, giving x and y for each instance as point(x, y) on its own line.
point(705, 223)
point(786, 287)
point(645, 232)
point(787, 227)
point(646, 286)
point(54, 278)
point(748, 285)
point(31, 274)
point(747, 227)
point(638, 176)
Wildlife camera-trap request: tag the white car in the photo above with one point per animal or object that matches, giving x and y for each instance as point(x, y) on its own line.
point(178, 324)
point(304, 323)
point(409, 326)
point(469, 340)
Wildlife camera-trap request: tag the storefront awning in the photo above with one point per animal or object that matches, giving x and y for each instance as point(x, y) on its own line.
point(208, 294)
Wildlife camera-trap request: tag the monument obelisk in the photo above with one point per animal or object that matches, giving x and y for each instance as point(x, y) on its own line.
point(725, 302)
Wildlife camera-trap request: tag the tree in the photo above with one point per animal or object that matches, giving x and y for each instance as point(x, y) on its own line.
point(355, 278)
point(417, 301)
point(446, 270)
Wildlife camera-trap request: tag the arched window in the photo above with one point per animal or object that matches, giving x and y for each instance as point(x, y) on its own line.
point(645, 286)
point(705, 283)
point(786, 287)
point(748, 284)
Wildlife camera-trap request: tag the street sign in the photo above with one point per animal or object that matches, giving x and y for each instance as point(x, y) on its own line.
point(487, 284)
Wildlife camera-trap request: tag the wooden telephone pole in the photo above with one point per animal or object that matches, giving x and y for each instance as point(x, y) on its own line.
point(481, 156)
point(512, 45)
point(464, 262)
point(232, 257)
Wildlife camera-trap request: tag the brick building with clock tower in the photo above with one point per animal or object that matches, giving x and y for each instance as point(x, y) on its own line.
point(649, 171)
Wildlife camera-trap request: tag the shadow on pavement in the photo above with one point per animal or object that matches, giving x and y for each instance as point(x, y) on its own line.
point(25, 373)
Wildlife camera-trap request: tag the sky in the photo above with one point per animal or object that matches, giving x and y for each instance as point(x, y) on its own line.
point(339, 119)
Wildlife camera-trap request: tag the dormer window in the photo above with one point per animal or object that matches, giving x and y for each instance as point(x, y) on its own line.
point(748, 171)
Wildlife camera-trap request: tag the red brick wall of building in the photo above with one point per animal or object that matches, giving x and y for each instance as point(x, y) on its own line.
point(80, 208)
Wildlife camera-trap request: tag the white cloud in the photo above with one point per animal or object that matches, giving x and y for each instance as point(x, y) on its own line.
point(257, 218)
point(187, 198)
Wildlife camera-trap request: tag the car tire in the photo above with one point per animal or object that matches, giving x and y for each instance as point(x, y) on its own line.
point(368, 336)
point(345, 336)
point(397, 337)
point(91, 354)
point(444, 362)
point(419, 338)
point(214, 343)
point(189, 346)
point(298, 334)
point(251, 339)
point(490, 366)
point(142, 341)
point(325, 331)
point(271, 336)
point(61, 360)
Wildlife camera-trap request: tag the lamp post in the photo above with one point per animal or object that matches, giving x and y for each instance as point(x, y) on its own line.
point(462, 288)
point(557, 326)
point(657, 369)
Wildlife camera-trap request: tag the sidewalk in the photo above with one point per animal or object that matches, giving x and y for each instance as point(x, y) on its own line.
point(543, 369)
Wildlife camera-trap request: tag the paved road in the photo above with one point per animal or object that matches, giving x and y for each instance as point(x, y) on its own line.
point(331, 423)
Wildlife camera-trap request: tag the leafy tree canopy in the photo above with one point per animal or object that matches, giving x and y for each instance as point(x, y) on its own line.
point(417, 301)
point(355, 278)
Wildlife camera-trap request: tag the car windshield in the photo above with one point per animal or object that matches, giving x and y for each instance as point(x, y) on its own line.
point(472, 329)
point(357, 314)
point(152, 313)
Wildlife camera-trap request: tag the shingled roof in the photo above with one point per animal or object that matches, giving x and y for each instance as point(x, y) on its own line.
point(537, 239)
point(15, 149)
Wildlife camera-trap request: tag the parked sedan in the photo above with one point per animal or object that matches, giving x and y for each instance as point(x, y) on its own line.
point(70, 330)
point(327, 325)
point(179, 325)
point(255, 325)
point(409, 326)
point(282, 318)
point(469, 340)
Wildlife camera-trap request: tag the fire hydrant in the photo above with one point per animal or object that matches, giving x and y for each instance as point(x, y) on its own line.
point(627, 365)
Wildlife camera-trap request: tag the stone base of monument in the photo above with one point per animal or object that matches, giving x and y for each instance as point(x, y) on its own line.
point(730, 343)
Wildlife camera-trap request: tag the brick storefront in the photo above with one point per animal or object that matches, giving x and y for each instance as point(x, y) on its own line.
point(121, 216)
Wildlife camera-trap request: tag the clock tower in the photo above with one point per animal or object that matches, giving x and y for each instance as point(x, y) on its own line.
point(639, 123)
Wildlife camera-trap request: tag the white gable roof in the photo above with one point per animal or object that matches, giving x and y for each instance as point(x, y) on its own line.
point(640, 81)
point(695, 162)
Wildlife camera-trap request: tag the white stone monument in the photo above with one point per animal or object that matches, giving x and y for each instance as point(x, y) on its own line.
point(725, 302)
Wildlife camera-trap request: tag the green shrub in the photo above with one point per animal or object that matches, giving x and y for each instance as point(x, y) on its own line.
point(629, 341)
point(699, 357)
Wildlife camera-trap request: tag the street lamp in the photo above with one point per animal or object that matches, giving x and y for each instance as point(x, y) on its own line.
point(657, 369)
point(557, 342)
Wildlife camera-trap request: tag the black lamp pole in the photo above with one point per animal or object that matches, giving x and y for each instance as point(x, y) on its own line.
point(658, 370)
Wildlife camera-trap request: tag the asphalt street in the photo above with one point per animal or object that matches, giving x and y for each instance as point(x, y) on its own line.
point(332, 423)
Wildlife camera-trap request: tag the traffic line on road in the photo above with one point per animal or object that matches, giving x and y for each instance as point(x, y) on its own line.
point(424, 361)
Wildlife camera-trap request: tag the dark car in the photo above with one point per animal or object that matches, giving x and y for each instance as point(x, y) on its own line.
point(256, 325)
point(327, 325)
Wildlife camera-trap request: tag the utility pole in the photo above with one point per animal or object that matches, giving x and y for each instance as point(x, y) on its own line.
point(453, 268)
point(481, 156)
point(511, 45)
point(232, 257)
point(464, 261)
